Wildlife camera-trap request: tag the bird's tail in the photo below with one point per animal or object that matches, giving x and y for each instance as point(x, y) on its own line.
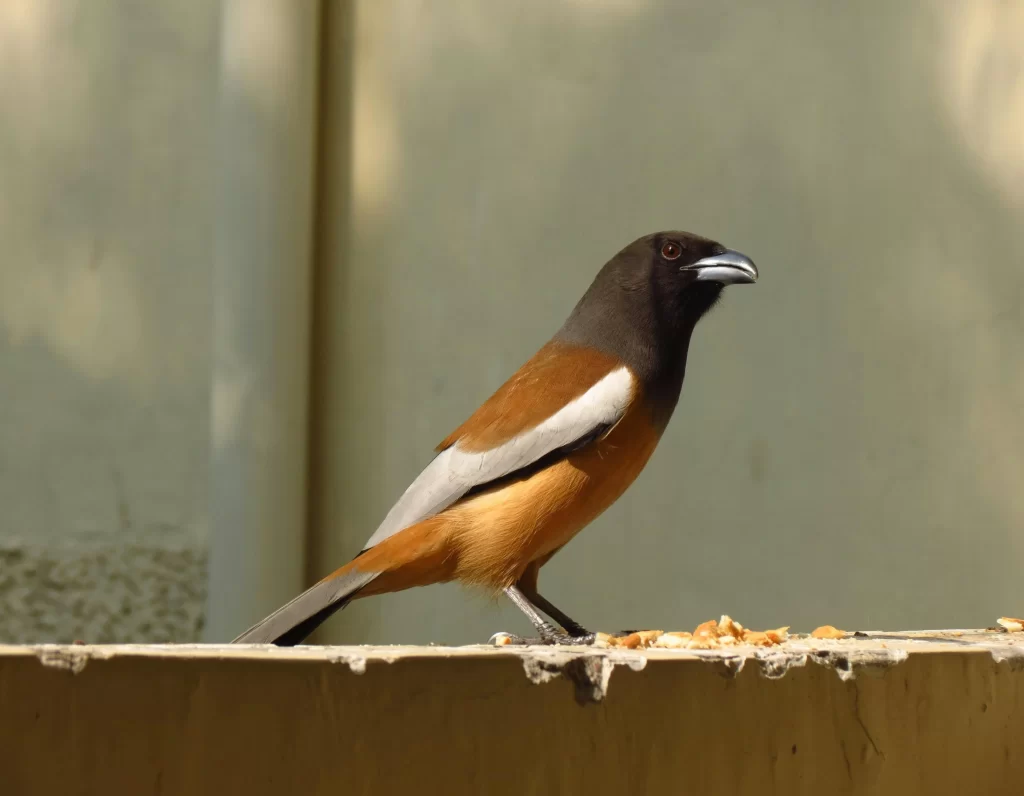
point(415, 556)
point(292, 623)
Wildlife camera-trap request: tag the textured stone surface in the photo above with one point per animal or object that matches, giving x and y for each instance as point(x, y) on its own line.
point(103, 588)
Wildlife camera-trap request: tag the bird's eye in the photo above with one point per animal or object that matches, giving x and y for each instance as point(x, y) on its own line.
point(671, 250)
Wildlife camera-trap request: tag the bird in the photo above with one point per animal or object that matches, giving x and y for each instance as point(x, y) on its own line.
point(548, 452)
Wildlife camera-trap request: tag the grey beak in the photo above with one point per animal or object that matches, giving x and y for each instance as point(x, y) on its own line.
point(727, 268)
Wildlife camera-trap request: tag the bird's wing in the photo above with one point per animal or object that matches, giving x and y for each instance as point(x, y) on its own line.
point(561, 399)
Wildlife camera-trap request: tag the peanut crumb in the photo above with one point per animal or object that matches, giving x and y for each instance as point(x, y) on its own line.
point(827, 631)
point(725, 632)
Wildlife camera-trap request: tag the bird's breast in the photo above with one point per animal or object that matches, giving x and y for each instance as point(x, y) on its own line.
point(497, 533)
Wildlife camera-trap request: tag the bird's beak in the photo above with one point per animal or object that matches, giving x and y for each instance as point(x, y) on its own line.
point(727, 268)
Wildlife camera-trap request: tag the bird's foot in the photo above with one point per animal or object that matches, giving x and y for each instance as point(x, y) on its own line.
point(570, 636)
point(555, 638)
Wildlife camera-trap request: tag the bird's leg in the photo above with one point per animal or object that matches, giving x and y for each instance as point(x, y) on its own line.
point(549, 634)
point(570, 625)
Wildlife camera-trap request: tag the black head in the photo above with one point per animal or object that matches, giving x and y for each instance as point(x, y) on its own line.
point(683, 273)
point(645, 302)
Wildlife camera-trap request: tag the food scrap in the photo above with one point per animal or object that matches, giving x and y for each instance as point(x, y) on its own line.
point(726, 632)
point(1011, 625)
point(827, 631)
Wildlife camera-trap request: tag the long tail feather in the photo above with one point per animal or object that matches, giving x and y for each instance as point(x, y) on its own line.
point(292, 623)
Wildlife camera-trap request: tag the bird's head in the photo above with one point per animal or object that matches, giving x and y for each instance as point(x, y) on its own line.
point(646, 300)
point(668, 279)
point(686, 273)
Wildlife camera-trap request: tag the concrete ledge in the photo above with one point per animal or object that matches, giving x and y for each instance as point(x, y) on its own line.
point(907, 713)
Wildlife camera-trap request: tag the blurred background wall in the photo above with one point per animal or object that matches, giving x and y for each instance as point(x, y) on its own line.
point(106, 199)
point(259, 258)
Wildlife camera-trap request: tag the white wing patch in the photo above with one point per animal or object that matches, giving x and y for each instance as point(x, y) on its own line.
point(454, 472)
